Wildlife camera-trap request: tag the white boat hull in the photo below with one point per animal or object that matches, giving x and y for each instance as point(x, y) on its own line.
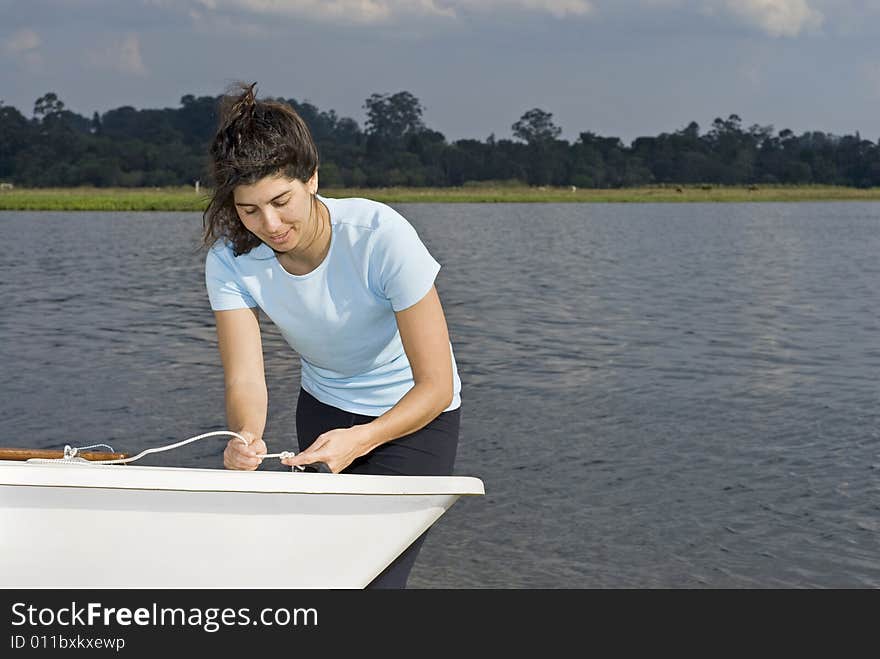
point(158, 527)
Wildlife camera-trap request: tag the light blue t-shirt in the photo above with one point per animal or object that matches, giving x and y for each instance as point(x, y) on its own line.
point(339, 317)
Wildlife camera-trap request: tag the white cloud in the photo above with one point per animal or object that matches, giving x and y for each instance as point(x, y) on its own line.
point(778, 18)
point(123, 56)
point(130, 60)
point(24, 46)
point(558, 8)
point(355, 11)
point(22, 41)
point(220, 25)
point(386, 11)
point(774, 17)
point(674, 4)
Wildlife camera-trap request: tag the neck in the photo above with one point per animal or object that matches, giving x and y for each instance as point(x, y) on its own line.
point(301, 261)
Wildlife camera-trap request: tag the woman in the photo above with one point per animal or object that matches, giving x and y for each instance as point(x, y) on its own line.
point(351, 288)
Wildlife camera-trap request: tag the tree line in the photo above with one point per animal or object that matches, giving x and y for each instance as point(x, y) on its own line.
point(159, 147)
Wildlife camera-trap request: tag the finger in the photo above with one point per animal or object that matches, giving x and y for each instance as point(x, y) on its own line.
point(236, 444)
point(293, 460)
point(302, 460)
point(237, 457)
point(244, 465)
point(232, 462)
point(249, 451)
point(321, 466)
point(305, 457)
point(251, 441)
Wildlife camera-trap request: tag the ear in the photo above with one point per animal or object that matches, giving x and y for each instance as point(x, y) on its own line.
point(312, 183)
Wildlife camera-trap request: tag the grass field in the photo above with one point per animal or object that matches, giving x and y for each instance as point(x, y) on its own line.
point(186, 199)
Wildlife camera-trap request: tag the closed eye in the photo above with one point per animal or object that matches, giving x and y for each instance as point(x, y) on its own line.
point(280, 203)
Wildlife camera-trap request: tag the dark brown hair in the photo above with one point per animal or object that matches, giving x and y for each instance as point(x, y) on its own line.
point(254, 139)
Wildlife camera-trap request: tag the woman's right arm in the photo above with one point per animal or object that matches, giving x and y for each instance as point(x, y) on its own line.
point(241, 351)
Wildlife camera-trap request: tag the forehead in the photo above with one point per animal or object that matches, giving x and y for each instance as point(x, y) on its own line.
point(264, 190)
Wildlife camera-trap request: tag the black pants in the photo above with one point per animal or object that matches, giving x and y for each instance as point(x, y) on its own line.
point(426, 452)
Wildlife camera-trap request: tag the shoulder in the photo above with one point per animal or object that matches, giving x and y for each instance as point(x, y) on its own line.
point(222, 250)
point(219, 252)
point(220, 255)
point(363, 215)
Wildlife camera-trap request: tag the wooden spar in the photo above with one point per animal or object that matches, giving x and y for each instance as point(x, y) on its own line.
point(49, 454)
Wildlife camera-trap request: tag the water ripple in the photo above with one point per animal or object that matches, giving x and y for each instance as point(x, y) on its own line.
point(654, 395)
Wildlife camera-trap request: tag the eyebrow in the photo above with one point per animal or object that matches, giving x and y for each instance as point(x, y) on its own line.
point(272, 199)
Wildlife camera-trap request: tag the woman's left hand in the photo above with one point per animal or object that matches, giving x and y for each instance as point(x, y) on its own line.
point(336, 448)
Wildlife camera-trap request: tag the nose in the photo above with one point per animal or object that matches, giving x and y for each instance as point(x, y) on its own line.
point(271, 220)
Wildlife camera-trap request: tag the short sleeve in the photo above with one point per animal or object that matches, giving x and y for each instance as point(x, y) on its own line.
point(224, 288)
point(403, 269)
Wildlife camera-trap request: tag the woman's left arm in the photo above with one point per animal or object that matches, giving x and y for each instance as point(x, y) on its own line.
point(425, 340)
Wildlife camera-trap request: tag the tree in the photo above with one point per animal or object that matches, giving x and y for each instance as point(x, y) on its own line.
point(47, 105)
point(390, 118)
point(15, 138)
point(536, 127)
point(196, 120)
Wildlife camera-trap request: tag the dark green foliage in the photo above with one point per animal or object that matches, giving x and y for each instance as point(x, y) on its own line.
point(535, 127)
point(130, 147)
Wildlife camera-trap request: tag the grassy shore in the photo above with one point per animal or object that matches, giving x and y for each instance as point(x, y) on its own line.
point(187, 199)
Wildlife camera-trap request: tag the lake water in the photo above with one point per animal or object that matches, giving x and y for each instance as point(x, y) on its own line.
point(679, 395)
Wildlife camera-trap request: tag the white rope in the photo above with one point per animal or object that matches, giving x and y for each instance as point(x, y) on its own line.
point(71, 453)
point(159, 449)
point(280, 456)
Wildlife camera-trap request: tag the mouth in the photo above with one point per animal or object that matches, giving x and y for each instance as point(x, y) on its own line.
point(280, 238)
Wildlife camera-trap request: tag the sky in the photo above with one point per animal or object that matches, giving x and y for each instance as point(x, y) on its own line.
point(622, 68)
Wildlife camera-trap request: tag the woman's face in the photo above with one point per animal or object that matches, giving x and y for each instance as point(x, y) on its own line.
point(278, 210)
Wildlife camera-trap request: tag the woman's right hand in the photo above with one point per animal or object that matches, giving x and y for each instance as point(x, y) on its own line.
point(239, 456)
